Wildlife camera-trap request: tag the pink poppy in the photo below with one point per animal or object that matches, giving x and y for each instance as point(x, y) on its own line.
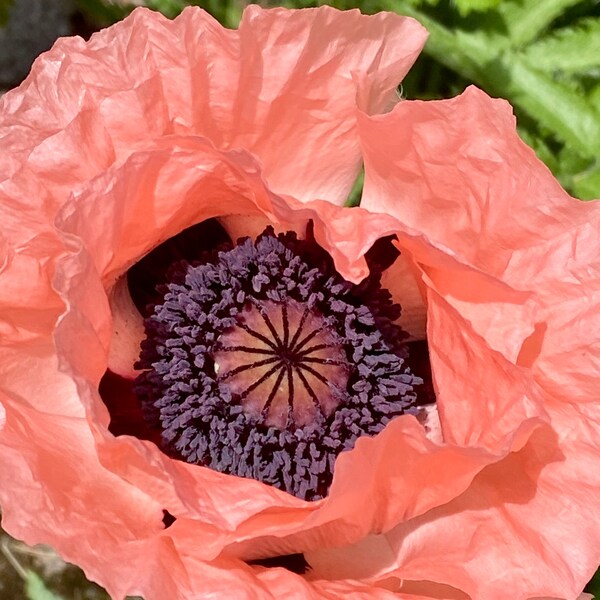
point(113, 146)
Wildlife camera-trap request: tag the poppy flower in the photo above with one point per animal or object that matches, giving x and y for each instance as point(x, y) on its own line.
point(195, 177)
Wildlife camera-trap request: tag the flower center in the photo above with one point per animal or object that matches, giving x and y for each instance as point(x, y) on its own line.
point(263, 362)
point(284, 363)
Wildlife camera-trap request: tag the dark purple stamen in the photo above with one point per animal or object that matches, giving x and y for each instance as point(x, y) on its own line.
point(265, 363)
point(154, 268)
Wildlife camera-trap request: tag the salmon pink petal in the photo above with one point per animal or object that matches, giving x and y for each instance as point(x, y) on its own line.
point(526, 521)
point(566, 357)
point(403, 280)
point(302, 125)
point(494, 535)
point(284, 87)
point(128, 331)
point(496, 205)
point(520, 505)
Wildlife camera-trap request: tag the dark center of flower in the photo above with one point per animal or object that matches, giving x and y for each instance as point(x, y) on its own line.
point(263, 362)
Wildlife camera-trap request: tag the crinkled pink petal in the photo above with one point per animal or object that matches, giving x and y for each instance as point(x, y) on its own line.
point(528, 523)
point(127, 331)
point(517, 527)
point(284, 87)
point(489, 540)
point(496, 205)
point(403, 280)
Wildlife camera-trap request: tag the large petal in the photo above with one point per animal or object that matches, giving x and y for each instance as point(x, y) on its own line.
point(457, 171)
point(527, 524)
point(528, 521)
point(284, 87)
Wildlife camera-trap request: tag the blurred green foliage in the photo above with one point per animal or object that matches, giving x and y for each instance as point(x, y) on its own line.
point(594, 586)
point(35, 588)
point(5, 11)
point(38, 573)
point(106, 12)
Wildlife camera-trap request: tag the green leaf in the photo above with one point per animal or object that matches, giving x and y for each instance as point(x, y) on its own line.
point(569, 115)
point(35, 588)
point(467, 6)
point(570, 49)
point(101, 13)
point(541, 148)
point(463, 52)
point(169, 8)
point(594, 585)
point(594, 95)
point(228, 12)
point(356, 192)
point(572, 162)
point(586, 186)
point(526, 19)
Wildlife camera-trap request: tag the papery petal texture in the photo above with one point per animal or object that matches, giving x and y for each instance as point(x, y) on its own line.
point(284, 85)
point(115, 145)
point(500, 211)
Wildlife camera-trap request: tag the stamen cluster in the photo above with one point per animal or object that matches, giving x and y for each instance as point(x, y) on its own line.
point(264, 362)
